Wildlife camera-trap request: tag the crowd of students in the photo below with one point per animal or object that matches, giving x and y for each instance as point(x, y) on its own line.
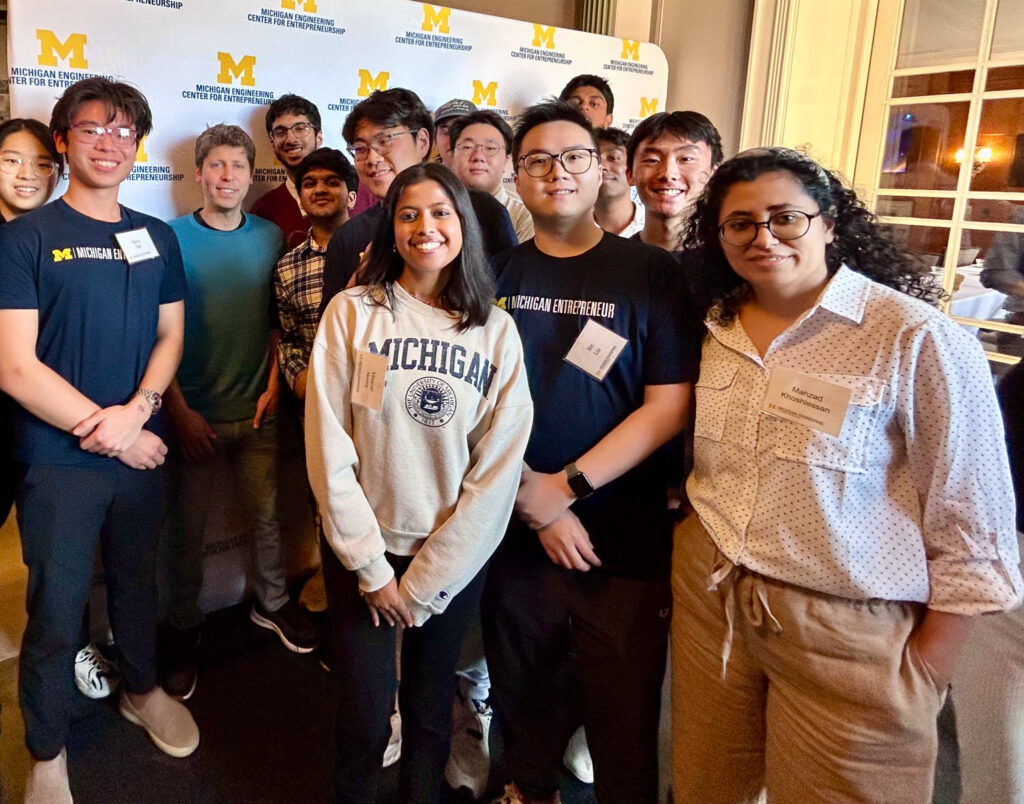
point(515, 482)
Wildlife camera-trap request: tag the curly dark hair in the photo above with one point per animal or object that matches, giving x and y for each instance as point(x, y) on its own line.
point(469, 291)
point(859, 241)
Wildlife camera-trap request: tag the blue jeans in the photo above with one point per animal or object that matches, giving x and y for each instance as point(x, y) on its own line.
point(252, 459)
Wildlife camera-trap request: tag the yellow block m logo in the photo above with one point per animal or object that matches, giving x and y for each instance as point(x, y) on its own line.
point(436, 18)
point(485, 95)
point(309, 6)
point(140, 153)
point(51, 49)
point(544, 36)
point(60, 254)
point(242, 69)
point(631, 49)
point(648, 107)
point(368, 83)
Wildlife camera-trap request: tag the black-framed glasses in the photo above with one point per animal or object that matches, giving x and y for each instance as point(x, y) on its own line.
point(572, 160)
point(91, 133)
point(382, 144)
point(11, 164)
point(790, 224)
point(300, 130)
point(469, 148)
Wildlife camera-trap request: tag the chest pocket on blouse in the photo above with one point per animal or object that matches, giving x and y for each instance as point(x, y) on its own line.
point(848, 452)
point(714, 389)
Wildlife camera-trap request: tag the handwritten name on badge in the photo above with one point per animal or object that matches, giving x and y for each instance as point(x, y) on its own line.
point(805, 400)
point(596, 349)
point(368, 381)
point(137, 245)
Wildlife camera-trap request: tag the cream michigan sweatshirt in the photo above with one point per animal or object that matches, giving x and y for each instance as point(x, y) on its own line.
point(434, 472)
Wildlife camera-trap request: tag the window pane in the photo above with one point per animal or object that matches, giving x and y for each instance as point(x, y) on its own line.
point(927, 244)
point(993, 211)
point(907, 86)
point(1000, 78)
point(940, 32)
point(998, 159)
point(1008, 41)
point(898, 206)
point(921, 145)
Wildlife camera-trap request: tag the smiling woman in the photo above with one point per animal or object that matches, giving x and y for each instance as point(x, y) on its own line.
point(29, 166)
point(853, 507)
point(417, 417)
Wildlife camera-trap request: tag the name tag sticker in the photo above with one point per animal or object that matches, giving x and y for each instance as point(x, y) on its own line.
point(805, 400)
point(368, 381)
point(596, 349)
point(137, 245)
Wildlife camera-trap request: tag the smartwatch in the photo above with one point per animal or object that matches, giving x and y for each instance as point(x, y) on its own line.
point(579, 483)
point(154, 399)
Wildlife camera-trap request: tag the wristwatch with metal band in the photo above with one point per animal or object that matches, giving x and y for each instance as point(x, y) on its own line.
point(579, 483)
point(154, 399)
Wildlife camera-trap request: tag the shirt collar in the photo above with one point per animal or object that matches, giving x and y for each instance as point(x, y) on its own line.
point(846, 294)
point(501, 196)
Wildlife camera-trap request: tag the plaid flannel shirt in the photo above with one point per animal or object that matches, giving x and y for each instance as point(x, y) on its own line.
point(298, 286)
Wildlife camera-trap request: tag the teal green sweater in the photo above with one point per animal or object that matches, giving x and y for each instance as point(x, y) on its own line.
point(228, 315)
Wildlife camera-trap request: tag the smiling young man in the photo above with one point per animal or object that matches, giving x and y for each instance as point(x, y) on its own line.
point(615, 210)
point(293, 125)
point(583, 569)
point(223, 403)
point(670, 157)
point(386, 133)
point(92, 314)
point(592, 95)
point(481, 155)
point(327, 190)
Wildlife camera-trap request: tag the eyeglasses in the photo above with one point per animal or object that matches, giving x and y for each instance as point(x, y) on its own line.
point(12, 165)
point(469, 148)
point(300, 130)
point(90, 133)
point(790, 224)
point(572, 160)
point(382, 144)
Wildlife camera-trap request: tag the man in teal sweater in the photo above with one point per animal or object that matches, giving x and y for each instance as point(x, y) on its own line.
point(224, 400)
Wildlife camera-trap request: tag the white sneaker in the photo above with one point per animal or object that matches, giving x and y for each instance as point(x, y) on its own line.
point(577, 757)
point(469, 762)
point(393, 752)
point(95, 677)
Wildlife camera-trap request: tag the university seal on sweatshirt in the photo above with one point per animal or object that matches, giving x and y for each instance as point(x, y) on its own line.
point(430, 401)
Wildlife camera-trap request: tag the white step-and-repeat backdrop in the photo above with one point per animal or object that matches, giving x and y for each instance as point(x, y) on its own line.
point(201, 62)
point(210, 61)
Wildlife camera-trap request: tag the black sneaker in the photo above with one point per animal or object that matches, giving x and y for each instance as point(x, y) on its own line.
point(291, 623)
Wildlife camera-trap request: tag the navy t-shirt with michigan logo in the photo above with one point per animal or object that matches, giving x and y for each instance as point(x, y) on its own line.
point(97, 314)
point(636, 291)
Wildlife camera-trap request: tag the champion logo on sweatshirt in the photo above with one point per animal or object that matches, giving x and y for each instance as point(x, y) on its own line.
point(442, 357)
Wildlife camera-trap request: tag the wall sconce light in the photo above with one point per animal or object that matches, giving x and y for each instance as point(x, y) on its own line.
point(982, 156)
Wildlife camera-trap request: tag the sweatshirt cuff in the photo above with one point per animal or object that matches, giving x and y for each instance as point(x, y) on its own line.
point(375, 575)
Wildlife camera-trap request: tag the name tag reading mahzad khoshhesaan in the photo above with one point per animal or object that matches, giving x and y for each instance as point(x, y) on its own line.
point(805, 400)
point(596, 349)
point(368, 379)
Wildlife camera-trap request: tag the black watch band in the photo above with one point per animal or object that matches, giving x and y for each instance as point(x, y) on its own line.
point(579, 483)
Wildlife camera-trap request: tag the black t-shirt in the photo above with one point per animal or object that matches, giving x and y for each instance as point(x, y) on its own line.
point(634, 290)
point(350, 241)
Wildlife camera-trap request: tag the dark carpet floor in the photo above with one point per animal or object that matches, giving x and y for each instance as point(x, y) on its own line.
point(265, 716)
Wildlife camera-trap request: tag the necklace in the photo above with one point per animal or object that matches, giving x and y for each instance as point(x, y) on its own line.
point(429, 300)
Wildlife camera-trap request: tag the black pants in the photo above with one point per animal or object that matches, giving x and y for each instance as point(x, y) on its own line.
point(563, 647)
point(62, 513)
point(365, 661)
point(8, 469)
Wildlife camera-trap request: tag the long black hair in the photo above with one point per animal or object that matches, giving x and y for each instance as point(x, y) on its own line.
point(858, 242)
point(469, 291)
